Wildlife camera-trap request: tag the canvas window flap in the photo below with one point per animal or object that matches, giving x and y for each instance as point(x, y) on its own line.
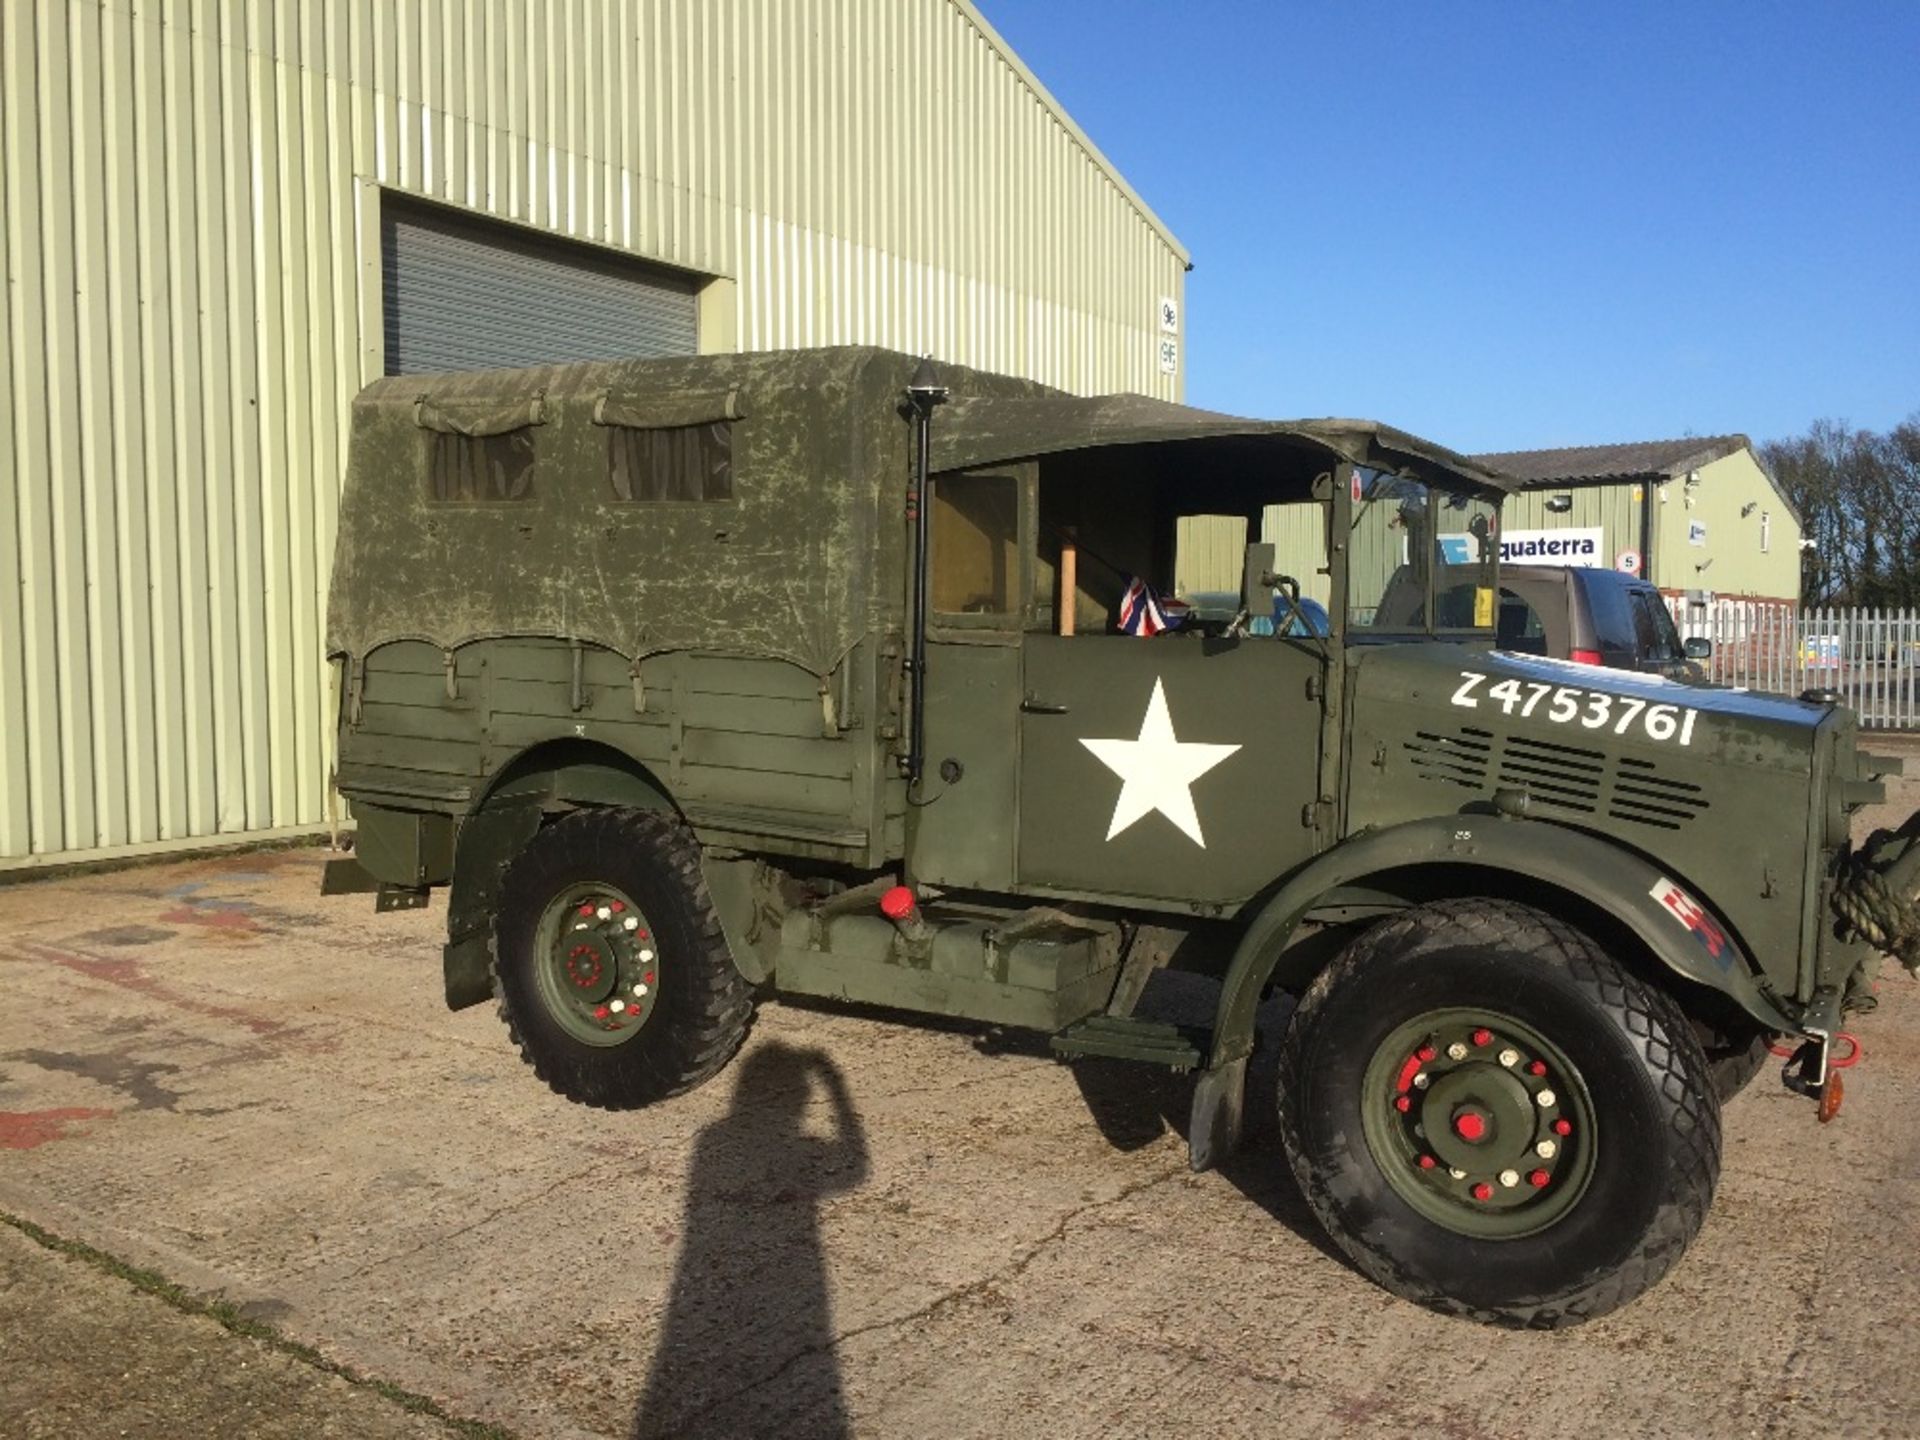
point(479, 418)
point(665, 410)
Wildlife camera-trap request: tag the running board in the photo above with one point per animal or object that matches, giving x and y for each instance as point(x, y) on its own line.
point(1126, 1037)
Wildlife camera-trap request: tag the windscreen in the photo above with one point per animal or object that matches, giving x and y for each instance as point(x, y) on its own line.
point(1413, 545)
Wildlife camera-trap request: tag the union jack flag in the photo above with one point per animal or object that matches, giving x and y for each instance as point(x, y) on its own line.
point(1139, 611)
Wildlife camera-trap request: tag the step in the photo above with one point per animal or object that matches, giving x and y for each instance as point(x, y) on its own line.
point(1126, 1037)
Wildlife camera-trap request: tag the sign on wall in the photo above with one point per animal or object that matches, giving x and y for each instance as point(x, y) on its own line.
point(1581, 546)
point(1628, 562)
point(1696, 532)
point(1168, 316)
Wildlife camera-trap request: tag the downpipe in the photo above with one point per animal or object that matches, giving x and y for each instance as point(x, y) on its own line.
point(924, 392)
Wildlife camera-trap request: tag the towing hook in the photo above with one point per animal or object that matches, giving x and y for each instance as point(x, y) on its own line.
point(1812, 1069)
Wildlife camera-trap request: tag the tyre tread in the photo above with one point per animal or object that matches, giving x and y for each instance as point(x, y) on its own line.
point(1667, 1043)
point(711, 1030)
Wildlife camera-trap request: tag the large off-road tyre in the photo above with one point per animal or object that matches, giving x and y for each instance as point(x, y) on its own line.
point(609, 964)
point(1494, 1119)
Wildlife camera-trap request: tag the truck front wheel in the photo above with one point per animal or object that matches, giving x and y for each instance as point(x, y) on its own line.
point(1493, 1118)
point(609, 964)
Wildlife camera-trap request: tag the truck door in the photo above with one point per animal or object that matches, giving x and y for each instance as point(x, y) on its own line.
point(1174, 767)
point(960, 821)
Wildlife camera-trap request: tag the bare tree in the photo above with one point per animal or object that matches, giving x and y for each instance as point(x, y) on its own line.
point(1858, 494)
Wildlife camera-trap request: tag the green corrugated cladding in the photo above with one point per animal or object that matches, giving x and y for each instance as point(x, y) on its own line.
point(191, 197)
point(1754, 554)
point(1613, 509)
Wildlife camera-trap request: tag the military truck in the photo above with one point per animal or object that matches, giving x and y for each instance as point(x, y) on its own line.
point(821, 674)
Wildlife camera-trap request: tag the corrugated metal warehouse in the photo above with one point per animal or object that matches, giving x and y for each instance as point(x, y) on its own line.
point(221, 219)
point(1698, 516)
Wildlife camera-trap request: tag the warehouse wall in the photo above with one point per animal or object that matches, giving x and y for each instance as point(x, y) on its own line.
point(190, 236)
point(1729, 560)
point(1613, 510)
point(1210, 550)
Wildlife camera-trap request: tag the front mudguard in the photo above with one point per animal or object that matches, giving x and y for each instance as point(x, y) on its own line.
point(1678, 927)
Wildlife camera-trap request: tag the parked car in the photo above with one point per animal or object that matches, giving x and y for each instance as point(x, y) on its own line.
point(1597, 617)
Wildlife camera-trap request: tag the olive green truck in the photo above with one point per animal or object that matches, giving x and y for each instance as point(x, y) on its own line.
point(822, 674)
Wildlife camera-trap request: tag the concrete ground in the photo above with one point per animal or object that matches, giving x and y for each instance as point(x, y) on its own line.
point(864, 1226)
point(86, 1352)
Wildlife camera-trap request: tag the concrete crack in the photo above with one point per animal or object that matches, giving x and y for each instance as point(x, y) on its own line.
point(440, 1238)
point(1781, 1401)
point(956, 1296)
point(949, 1087)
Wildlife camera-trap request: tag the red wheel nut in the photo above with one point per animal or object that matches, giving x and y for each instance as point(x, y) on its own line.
point(600, 1012)
point(1427, 1162)
point(1538, 1179)
point(1538, 1067)
point(1470, 1125)
point(1424, 1054)
point(1403, 1103)
point(1483, 1191)
point(1483, 1037)
point(587, 911)
point(1563, 1127)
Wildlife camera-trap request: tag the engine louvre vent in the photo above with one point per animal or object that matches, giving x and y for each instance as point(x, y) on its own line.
point(1452, 759)
point(1567, 778)
point(1643, 795)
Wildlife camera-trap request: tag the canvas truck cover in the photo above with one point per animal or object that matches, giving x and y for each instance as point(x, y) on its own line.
point(989, 429)
point(802, 557)
point(799, 561)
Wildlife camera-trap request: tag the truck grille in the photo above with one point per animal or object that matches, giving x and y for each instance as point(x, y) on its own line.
point(1567, 778)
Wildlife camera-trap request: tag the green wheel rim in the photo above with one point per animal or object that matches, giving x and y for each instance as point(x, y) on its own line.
point(1479, 1122)
point(596, 964)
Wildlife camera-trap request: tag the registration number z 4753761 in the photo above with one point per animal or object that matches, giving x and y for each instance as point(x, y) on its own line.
point(1571, 705)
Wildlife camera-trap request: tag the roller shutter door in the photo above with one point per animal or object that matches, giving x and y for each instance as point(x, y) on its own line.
point(466, 294)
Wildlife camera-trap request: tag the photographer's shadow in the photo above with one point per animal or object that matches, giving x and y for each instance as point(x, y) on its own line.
point(746, 1346)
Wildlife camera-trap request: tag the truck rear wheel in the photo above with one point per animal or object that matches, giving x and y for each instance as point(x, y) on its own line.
point(609, 964)
point(1494, 1119)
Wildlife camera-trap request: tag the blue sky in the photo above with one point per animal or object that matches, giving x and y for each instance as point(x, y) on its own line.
point(1511, 225)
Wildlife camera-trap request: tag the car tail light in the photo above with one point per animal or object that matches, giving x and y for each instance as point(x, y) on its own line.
point(1586, 657)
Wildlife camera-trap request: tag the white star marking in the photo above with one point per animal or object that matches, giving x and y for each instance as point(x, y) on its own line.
point(1158, 771)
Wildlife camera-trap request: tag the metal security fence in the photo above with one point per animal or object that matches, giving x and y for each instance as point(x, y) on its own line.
point(1871, 657)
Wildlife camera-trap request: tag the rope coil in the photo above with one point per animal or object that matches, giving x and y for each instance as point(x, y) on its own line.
point(1878, 897)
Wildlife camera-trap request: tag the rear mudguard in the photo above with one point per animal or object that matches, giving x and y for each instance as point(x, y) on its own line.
point(1677, 926)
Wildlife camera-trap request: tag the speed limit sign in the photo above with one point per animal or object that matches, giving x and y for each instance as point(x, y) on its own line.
point(1628, 561)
